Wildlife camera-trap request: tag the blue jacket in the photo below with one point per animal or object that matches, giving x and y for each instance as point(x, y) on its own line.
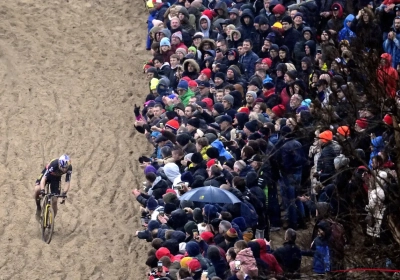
point(222, 152)
point(248, 60)
point(291, 155)
point(392, 47)
point(322, 252)
point(345, 33)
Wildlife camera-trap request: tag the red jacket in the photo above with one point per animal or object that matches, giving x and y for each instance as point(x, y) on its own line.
point(387, 75)
point(269, 258)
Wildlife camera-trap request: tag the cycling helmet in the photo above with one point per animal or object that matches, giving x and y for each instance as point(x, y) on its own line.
point(64, 161)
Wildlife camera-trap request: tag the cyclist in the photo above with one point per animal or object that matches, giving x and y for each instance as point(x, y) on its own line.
point(52, 173)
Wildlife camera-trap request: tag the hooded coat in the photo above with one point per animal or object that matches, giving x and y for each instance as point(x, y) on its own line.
point(247, 31)
point(392, 47)
point(194, 74)
point(269, 258)
point(221, 150)
point(346, 33)
point(248, 262)
point(387, 75)
point(208, 33)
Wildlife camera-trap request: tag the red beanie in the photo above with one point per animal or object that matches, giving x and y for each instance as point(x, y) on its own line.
point(244, 110)
point(209, 102)
point(206, 72)
point(192, 83)
point(279, 110)
point(162, 252)
point(267, 61)
point(363, 123)
point(208, 13)
point(279, 9)
point(207, 236)
point(186, 78)
point(170, 191)
point(173, 124)
point(388, 119)
point(210, 163)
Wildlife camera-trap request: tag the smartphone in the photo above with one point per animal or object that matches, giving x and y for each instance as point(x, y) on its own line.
point(159, 267)
point(161, 125)
point(237, 265)
point(205, 273)
point(186, 184)
point(319, 51)
point(216, 162)
point(161, 212)
point(195, 233)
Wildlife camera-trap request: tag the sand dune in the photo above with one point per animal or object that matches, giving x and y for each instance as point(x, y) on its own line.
point(70, 72)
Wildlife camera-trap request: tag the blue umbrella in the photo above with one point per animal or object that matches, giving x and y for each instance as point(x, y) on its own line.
point(210, 194)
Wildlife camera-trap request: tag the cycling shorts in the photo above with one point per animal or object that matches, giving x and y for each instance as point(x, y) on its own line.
point(54, 182)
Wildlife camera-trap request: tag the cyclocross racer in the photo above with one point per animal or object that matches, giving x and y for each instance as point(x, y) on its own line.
point(52, 173)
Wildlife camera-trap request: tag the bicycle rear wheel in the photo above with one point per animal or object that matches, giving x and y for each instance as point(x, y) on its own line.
point(47, 224)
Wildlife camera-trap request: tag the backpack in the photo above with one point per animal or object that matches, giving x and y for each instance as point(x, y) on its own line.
point(338, 236)
point(249, 214)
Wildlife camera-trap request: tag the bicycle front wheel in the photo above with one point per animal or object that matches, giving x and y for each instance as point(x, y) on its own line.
point(47, 224)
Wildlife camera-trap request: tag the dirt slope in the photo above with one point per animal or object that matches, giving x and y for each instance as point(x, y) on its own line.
point(70, 72)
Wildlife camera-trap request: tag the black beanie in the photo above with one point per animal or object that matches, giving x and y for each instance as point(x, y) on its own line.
point(212, 152)
point(251, 126)
point(183, 139)
point(219, 108)
point(220, 75)
point(197, 158)
point(195, 122)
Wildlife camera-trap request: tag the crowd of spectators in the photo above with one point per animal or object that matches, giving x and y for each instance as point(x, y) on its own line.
point(269, 101)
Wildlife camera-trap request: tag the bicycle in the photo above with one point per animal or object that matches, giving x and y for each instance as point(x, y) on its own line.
point(47, 217)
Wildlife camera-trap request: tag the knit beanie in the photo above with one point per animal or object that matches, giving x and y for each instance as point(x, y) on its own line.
point(206, 72)
point(247, 235)
point(228, 98)
point(220, 75)
point(252, 93)
point(151, 203)
point(343, 130)
point(172, 124)
point(183, 84)
point(244, 110)
point(195, 122)
point(184, 262)
point(251, 126)
point(219, 108)
point(178, 35)
point(165, 42)
point(182, 50)
point(267, 61)
point(192, 48)
point(326, 136)
point(278, 110)
point(388, 119)
point(232, 233)
point(362, 123)
point(183, 139)
point(279, 9)
point(197, 158)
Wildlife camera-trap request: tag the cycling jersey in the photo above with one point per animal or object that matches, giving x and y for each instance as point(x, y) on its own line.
point(53, 174)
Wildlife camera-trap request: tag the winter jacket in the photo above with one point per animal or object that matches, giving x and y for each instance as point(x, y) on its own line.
point(248, 60)
point(158, 188)
point(186, 97)
point(269, 258)
point(387, 75)
point(289, 257)
point(346, 33)
point(376, 203)
point(322, 261)
point(291, 36)
point(325, 163)
point(290, 149)
point(392, 47)
point(248, 262)
point(222, 152)
point(247, 31)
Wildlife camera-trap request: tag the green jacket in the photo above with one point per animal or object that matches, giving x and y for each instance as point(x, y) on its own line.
point(183, 98)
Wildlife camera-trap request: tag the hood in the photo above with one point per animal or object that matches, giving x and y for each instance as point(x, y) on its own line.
point(325, 226)
point(350, 18)
point(192, 248)
point(340, 9)
point(193, 62)
point(237, 98)
point(313, 47)
point(255, 248)
point(218, 145)
point(377, 142)
point(185, 12)
point(247, 13)
point(212, 44)
point(240, 222)
point(221, 5)
point(166, 32)
point(179, 219)
point(263, 246)
point(178, 235)
point(210, 212)
point(208, 23)
point(306, 28)
point(388, 59)
point(158, 179)
point(241, 118)
point(171, 170)
point(172, 245)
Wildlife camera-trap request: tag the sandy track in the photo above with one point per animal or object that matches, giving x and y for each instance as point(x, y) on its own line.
point(70, 73)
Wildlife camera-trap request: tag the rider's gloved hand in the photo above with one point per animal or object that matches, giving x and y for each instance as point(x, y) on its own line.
point(42, 192)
